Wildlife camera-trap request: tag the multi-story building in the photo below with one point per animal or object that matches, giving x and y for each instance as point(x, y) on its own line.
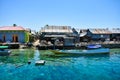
point(61, 34)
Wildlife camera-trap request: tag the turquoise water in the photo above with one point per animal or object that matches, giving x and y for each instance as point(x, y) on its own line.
point(15, 66)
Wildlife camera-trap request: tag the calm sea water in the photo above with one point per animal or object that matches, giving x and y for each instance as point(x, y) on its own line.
point(16, 67)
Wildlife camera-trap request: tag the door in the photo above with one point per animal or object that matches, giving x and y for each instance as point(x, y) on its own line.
point(15, 38)
point(4, 38)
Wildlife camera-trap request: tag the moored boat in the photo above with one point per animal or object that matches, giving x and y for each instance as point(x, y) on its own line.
point(94, 46)
point(90, 50)
point(4, 51)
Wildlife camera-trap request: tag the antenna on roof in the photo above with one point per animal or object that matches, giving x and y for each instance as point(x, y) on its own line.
point(14, 25)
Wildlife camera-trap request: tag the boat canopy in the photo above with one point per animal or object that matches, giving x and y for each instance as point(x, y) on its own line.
point(94, 46)
point(3, 47)
point(83, 34)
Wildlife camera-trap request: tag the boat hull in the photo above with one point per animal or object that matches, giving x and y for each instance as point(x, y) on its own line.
point(5, 52)
point(83, 52)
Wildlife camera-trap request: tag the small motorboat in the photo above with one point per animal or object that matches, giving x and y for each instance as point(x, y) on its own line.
point(40, 62)
point(90, 50)
point(4, 51)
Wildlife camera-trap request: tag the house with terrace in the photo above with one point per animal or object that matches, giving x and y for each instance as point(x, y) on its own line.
point(58, 34)
point(115, 36)
point(95, 35)
point(14, 34)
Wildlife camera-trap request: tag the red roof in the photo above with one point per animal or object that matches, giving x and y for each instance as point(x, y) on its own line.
point(11, 28)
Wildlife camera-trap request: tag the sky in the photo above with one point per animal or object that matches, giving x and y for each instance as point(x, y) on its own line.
point(81, 14)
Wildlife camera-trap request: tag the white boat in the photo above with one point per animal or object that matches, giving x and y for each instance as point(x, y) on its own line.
point(4, 51)
point(40, 62)
point(91, 49)
point(83, 52)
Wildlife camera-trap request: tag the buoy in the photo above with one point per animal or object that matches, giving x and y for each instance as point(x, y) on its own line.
point(40, 62)
point(29, 62)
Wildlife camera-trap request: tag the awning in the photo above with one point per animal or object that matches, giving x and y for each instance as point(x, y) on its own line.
point(83, 34)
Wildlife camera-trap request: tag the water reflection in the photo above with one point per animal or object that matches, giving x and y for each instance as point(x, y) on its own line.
point(18, 56)
point(25, 55)
point(37, 55)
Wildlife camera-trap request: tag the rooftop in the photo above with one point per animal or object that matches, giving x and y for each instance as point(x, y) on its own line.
point(116, 30)
point(11, 28)
point(59, 29)
point(100, 31)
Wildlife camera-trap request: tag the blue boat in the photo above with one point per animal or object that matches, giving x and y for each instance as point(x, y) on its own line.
point(4, 51)
point(97, 49)
point(94, 46)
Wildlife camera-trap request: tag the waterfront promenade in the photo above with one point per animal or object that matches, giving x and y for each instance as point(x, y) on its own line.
point(81, 45)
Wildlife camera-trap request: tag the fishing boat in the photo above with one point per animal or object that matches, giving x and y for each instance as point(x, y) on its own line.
point(4, 51)
point(91, 49)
